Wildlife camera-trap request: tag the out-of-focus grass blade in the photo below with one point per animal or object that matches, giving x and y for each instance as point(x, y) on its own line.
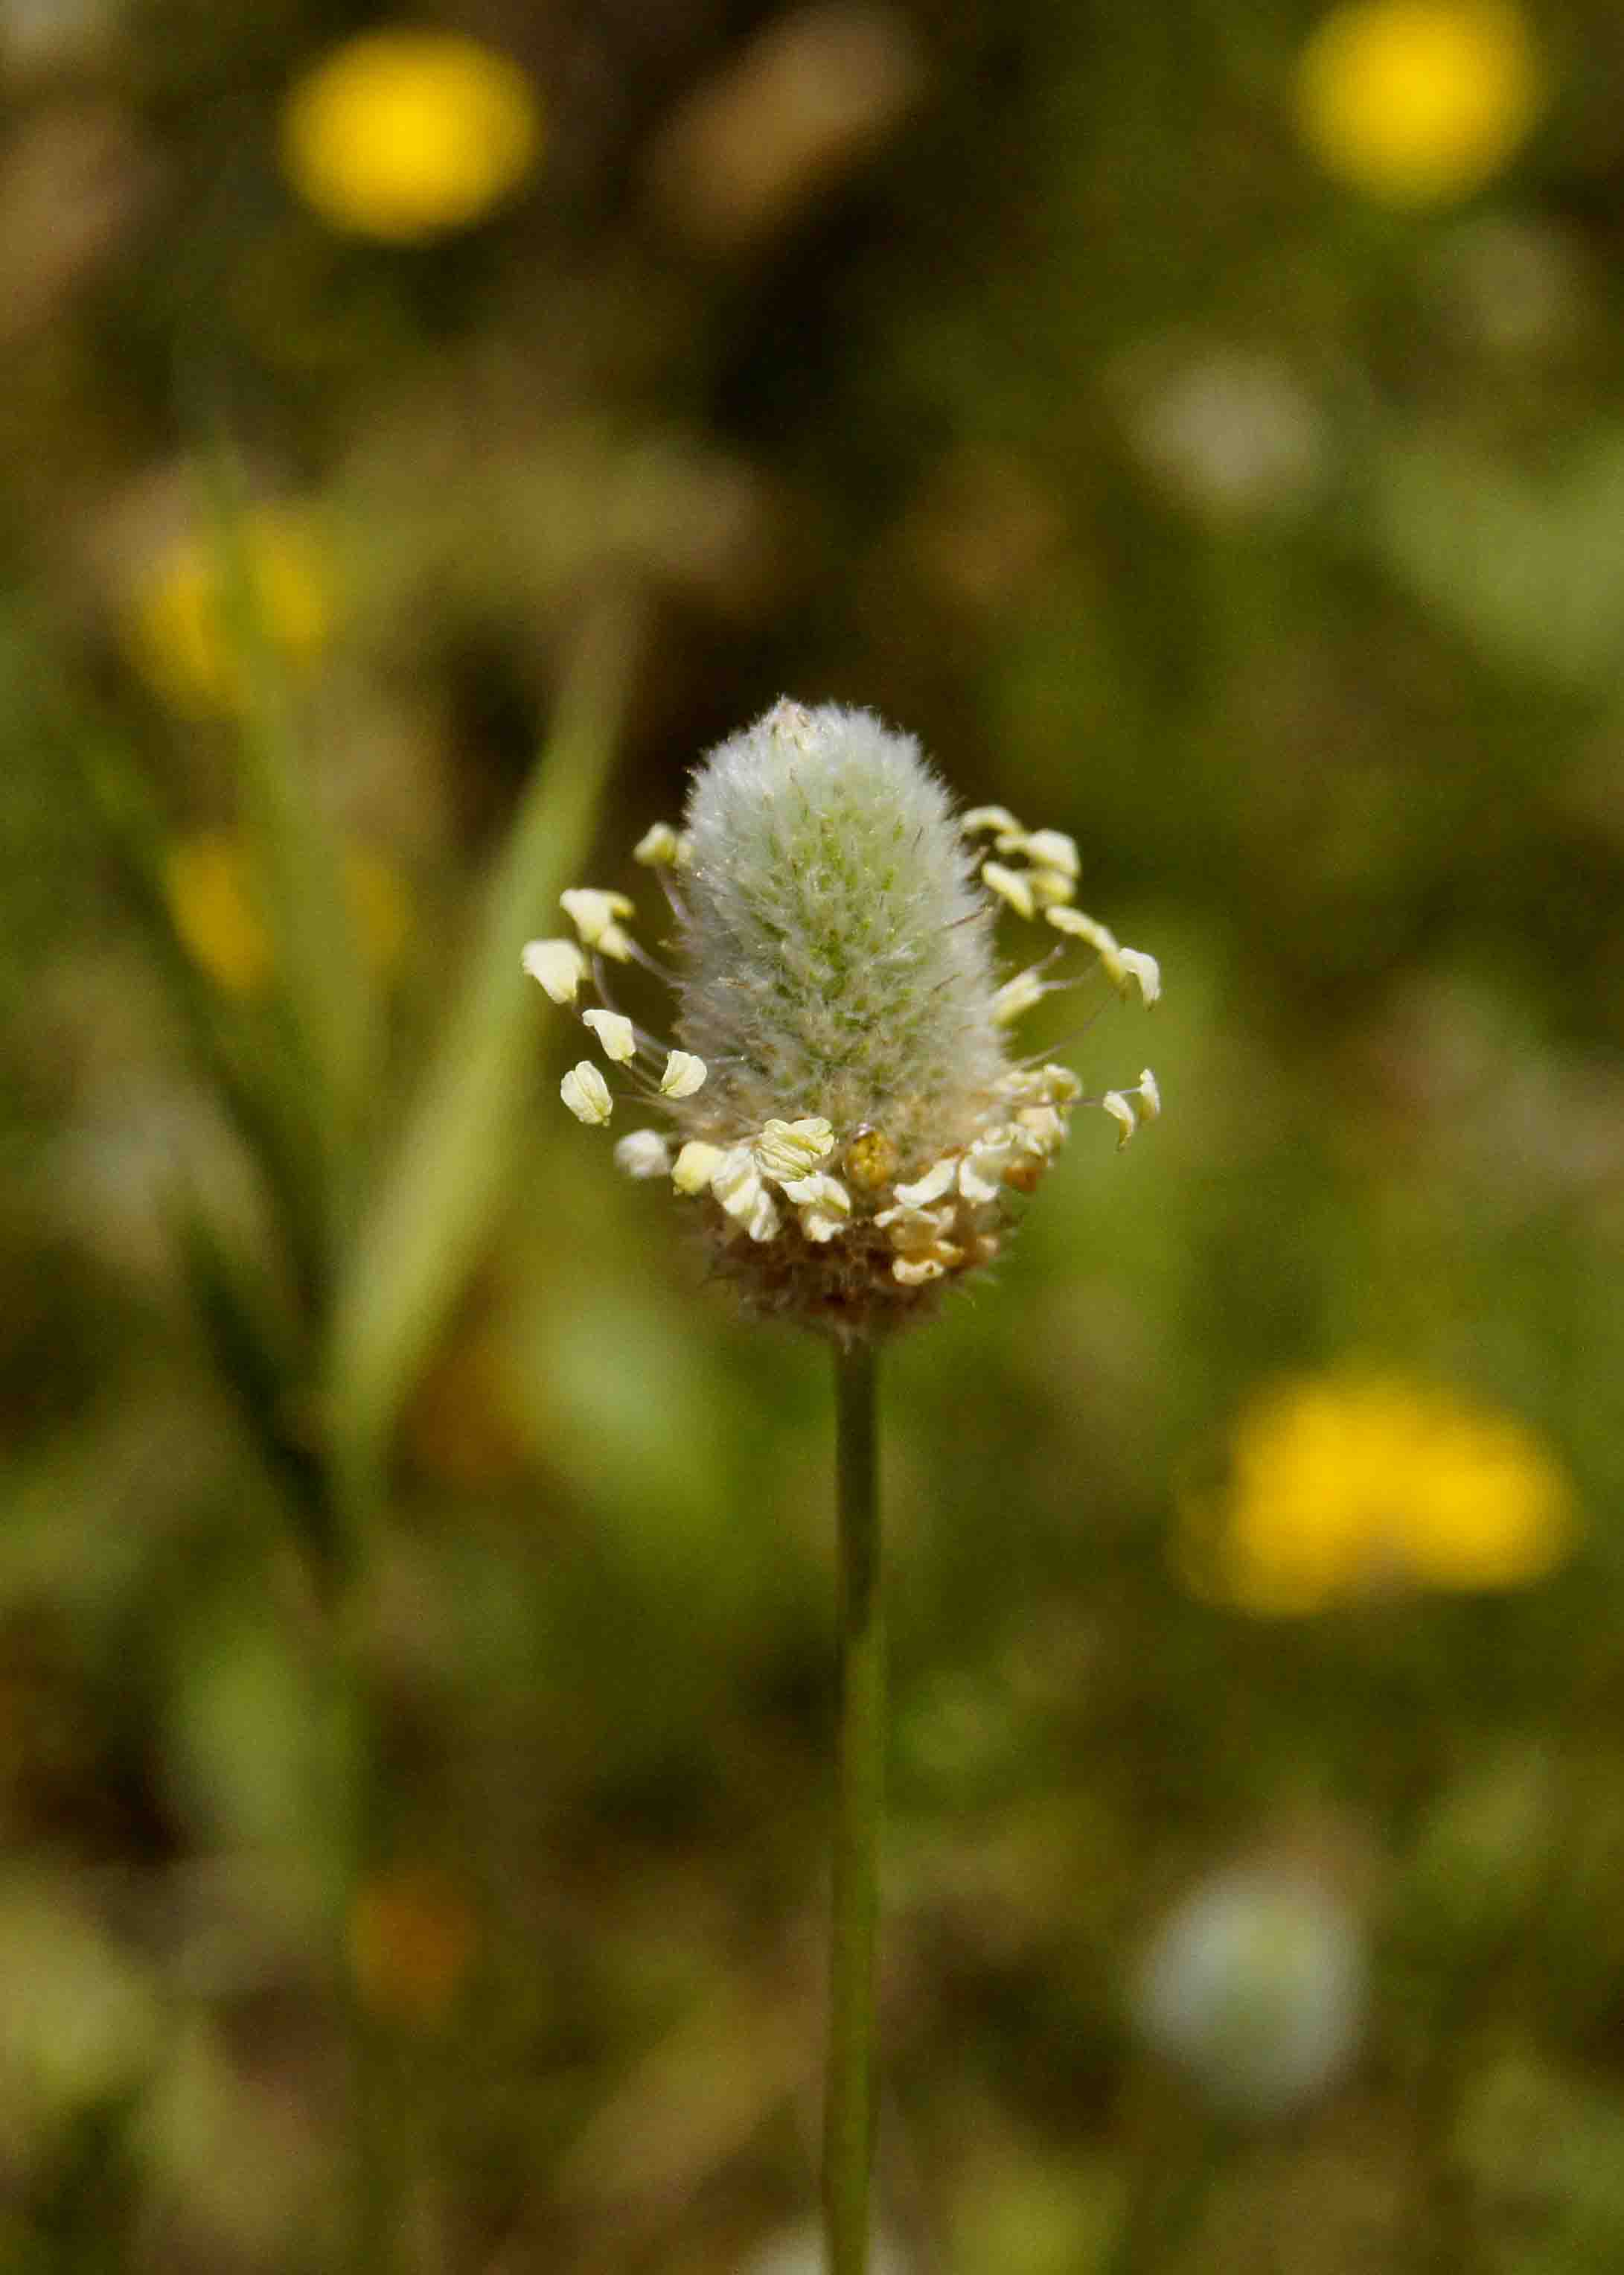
point(298, 858)
point(435, 1204)
point(252, 1068)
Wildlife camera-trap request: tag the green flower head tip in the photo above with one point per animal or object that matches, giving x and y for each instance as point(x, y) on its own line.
point(850, 1120)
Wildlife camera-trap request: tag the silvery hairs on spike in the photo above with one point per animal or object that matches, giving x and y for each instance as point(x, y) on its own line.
point(850, 1127)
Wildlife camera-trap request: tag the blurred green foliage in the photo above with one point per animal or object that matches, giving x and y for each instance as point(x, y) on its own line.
point(415, 1588)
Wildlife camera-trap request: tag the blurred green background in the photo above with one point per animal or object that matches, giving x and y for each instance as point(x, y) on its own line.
point(1201, 426)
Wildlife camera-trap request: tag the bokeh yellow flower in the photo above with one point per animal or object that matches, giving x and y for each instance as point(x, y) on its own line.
point(1417, 103)
point(413, 1937)
point(405, 134)
point(1341, 1488)
point(179, 625)
point(214, 907)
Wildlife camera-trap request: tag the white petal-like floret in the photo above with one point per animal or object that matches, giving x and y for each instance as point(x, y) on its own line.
point(617, 1036)
point(1150, 1096)
point(684, 1075)
point(1010, 885)
point(586, 1095)
point(558, 965)
point(915, 1271)
point(695, 1166)
point(643, 1153)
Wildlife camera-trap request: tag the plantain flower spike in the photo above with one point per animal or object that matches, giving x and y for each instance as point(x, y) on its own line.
point(850, 1128)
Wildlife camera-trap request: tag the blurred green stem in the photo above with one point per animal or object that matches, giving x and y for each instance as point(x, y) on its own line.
point(849, 2087)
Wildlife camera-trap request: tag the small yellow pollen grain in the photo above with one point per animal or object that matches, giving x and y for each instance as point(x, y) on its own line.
point(1418, 103)
point(404, 135)
point(871, 1161)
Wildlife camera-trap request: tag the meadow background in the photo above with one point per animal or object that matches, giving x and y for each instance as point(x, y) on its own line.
point(1201, 425)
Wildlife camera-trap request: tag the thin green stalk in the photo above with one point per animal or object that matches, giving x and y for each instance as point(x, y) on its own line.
point(848, 2090)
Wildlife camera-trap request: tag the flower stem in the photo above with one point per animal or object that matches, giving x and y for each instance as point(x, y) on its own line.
point(848, 2093)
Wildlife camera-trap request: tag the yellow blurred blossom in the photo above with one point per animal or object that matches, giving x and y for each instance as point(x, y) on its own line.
point(1341, 1488)
point(404, 135)
point(1418, 101)
point(412, 1938)
point(178, 627)
point(216, 910)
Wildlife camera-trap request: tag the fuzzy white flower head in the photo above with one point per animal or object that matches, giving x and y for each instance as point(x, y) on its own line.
point(1256, 1986)
point(851, 1128)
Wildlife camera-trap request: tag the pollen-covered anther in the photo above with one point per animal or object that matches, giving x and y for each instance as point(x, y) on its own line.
point(586, 1095)
point(1150, 1096)
point(989, 1163)
point(913, 1231)
point(617, 1036)
point(1134, 964)
point(1119, 1105)
point(1011, 884)
point(737, 1183)
point(937, 1181)
point(916, 1271)
point(783, 1150)
point(1050, 887)
point(1052, 849)
point(660, 847)
point(1044, 1126)
point(982, 818)
point(643, 1153)
point(1016, 996)
point(695, 1166)
point(684, 1075)
point(594, 914)
point(822, 1204)
point(558, 965)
